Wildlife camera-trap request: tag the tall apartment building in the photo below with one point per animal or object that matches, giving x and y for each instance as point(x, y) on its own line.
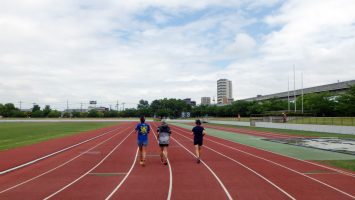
point(224, 91)
point(205, 100)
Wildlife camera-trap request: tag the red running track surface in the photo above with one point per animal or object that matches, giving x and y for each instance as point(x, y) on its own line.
point(107, 165)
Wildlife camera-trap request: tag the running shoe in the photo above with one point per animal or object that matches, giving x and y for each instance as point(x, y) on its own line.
point(198, 160)
point(142, 163)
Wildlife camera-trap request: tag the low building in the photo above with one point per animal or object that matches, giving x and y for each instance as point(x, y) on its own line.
point(190, 102)
point(205, 100)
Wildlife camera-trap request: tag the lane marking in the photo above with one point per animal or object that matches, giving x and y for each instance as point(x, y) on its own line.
point(124, 179)
point(316, 180)
point(107, 173)
point(246, 167)
point(170, 170)
point(82, 176)
point(59, 166)
point(320, 173)
point(214, 174)
point(52, 154)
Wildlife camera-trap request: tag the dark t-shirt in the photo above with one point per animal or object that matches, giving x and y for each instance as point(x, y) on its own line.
point(164, 134)
point(198, 132)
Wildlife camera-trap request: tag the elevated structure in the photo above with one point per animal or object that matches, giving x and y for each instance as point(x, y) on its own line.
point(333, 88)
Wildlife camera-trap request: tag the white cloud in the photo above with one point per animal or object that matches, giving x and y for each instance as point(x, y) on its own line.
point(52, 50)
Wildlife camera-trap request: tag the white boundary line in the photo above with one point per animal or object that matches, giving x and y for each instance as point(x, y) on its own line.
point(246, 167)
point(124, 179)
point(82, 176)
point(170, 173)
point(52, 154)
point(214, 174)
point(59, 166)
point(316, 180)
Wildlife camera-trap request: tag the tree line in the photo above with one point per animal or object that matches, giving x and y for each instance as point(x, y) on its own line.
point(318, 104)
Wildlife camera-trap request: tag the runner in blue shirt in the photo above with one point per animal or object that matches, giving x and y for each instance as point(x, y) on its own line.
point(142, 130)
point(198, 131)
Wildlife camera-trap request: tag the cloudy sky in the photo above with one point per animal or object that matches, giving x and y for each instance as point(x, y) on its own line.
point(52, 51)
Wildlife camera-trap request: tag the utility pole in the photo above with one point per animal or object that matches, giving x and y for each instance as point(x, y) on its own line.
point(117, 105)
point(67, 106)
point(20, 104)
point(81, 106)
point(123, 105)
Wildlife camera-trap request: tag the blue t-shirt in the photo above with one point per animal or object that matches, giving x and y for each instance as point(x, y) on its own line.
point(143, 129)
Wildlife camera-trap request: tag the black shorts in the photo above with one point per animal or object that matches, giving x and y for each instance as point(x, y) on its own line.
point(163, 145)
point(198, 142)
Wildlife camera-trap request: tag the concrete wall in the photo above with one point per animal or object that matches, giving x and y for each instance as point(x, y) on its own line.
point(300, 127)
point(309, 127)
point(231, 123)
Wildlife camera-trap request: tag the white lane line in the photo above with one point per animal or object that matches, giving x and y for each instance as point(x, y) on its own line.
point(246, 167)
point(170, 173)
point(108, 173)
point(297, 172)
point(82, 176)
point(59, 166)
point(52, 154)
point(305, 161)
point(214, 174)
point(124, 179)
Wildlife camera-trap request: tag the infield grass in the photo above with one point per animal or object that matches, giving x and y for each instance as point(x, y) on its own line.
point(14, 135)
point(345, 164)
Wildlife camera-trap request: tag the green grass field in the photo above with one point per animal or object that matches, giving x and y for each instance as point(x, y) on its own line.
point(345, 164)
point(14, 135)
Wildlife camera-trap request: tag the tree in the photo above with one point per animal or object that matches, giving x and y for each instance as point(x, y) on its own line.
point(93, 113)
point(143, 104)
point(322, 104)
point(346, 102)
point(54, 114)
point(46, 110)
point(7, 109)
point(36, 108)
point(37, 114)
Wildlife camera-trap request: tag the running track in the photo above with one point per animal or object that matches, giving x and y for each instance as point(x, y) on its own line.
point(104, 166)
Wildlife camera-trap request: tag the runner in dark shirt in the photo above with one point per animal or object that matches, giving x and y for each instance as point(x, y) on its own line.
point(164, 137)
point(198, 131)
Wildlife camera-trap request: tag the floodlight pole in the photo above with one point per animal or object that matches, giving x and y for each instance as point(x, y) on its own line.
point(294, 87)
point(288, 92)
point(302, 89)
